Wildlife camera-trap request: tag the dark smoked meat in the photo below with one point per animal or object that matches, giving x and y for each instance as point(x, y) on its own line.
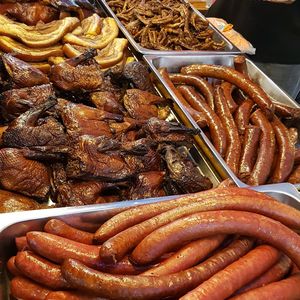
point(107, 101)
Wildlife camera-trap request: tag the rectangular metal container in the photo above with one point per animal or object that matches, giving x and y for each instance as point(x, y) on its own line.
point(218, 36)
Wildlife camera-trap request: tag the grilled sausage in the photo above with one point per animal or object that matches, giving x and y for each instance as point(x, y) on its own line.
point(68, 295)
point(227, 91)
point(11, 266)
point(240, 65)
point(21, 243)
point(242, 115)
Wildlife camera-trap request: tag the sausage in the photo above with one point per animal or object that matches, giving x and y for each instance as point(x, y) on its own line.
point(286, 111)
point(233, 152)
point(242, 115)
point(116, 247)
point(186, 257)
point(135, 215)
point(249, 151)
point(265, 156)
point(57, 248)
point(25, 289)
point(198, 117)
point(227, 91)
point(21, 243)
point(202, 85)
point(254, 91)
point(40, 270)
point(240, 65)
point(224, 283)
point(286, 152)
point(12, 267)
point(297, 156)
point(293, 133)
point(295, 175)
point(204, 224)
point(151, 287)
point(60, 228)
point(287, 289)
point(70, 295)
point(276, 273)
point(217, 131)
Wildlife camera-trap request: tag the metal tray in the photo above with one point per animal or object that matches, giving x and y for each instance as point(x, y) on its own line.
point(218, 36)
point(174, 63)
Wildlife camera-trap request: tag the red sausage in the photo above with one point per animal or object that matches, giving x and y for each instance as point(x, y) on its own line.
point(233, 152)
point(57, 248)
point(186, 257)
point(204, 224)
point(249, 151)
point(241, 81)
point(286, 152)
point(240, 65)
point(202, 85)
point(295, 175)
point(217, 131)
point(287, 289)
point(151, 287)
point(12, 267)
point(25, 289)
point(21, 243)
point(224, 283)
point(277, 272)
point(40, 270)
point(116, 247)
point(60, 228)
point(242, 115)
point(227, 91)
point(68, 295)
point(262, 167)
point(293, 133)
point(286, 111)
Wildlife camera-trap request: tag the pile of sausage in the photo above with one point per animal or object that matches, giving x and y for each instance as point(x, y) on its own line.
point(256, 137)
point(222, 243)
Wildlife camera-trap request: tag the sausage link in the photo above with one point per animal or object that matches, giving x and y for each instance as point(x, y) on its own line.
point(40, 270)
point(151, 287)
point(224, 283)
point(11, 266)
point(287, 289)
point(204, 224)
point(217, 131)
point(240, 65)
point(227, 90)
point(186, 257)
point(68, 295)
point(286, 152)
point(25, 289)
point(276, 273)
point(254, 91)
point(199, 83)
point(21, 243)
point(116, 247)
point(233, 152)
point(286, 111)
point(262, 167)
point(242, 115)
point(57, 248)
point(293, 133)
point(249, 151)
point(295, 175)
point(62, 229)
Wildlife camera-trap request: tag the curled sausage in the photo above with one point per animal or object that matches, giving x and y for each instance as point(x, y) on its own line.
point(199, 83)
point(224, 283)
point(204, 224)
point(227, 90)
point(286, 152)
point(116, 247)
point(249, 151)
point(216, 128)
point(62, 229)
point(68, 295)
point(286, 111)
point(265, 156)
point(11, 266)
point(151, 287)
point(233, 152)
point(242, 115)
point(295, 175)
point(241, 81)
point(240, 65)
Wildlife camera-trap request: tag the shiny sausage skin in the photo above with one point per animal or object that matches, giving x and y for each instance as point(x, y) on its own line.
point(286, 152)
point(116, 247)
point(21, 243)
point(187, 256)
point(217, 131)
point(287, 289)
point(297, 156)
point(62, 229)
point(241, 81)
point(40, 270)
point(68, 295)
point(224, 283)
point(151, 287)
point(204, 224)
point(25, 289)
point(262, 167)
point(293, 133)
point(276, 273)
point(242, 115)
point(199, 83)
point(57, 248)
point(286, 111)
point(249, 151)
point(295, 175)
point(227, 91)
point(233, 152)
point(11, 266)
point(240, 65)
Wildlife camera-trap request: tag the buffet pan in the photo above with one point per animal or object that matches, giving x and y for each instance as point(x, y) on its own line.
point(218, 36)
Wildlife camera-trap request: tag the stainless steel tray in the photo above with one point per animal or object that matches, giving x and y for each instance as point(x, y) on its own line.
point(218, 36)
point(174, 63)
